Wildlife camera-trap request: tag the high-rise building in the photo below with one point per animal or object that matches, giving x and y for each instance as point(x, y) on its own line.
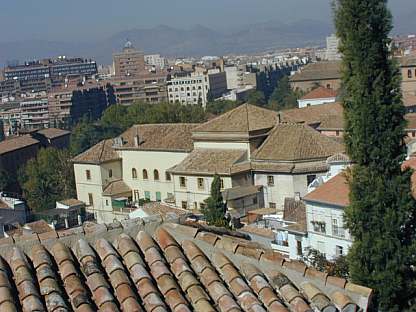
point(129, 62)
point(155, 60)
point(332, 52)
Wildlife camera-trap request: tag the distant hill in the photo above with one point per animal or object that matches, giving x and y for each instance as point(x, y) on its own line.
point(169, 41)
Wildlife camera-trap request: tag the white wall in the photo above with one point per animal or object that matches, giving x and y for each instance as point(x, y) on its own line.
point(150, 160)
point(312, 102)
point(191, 193)
point(326, 242)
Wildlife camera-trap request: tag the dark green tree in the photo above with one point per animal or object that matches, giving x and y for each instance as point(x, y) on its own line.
point(215, 208)
point(47, 178)
point(2, 136)
point(256, 97)
point(382, 212)
point(283, 97)
point(5, 179)
point(221, 106)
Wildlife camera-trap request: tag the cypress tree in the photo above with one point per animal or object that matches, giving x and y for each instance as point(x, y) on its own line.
point(381, 215)
point(215, 209)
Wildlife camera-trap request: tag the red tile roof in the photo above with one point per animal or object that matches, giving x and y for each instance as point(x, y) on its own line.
point(320, 93)
point(334, 192)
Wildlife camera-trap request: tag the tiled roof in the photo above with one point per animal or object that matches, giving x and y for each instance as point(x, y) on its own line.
point(295, 211)
point(281, 166)
point(116, 187)
point(409, 99)
point(340, 157)
point(320, 93)
point(209, 161)
point(71, 202)
point(312, 114)
point(411, 120)
point(240, 192)
point(254, 229)
point(318, 71)
point(296, 142)
point(334, 192)
point(332, 122)
point(177, 268)
point(175, 137)
point(160, 209)
point(244, 118)
point(10, 145)
point(52, 133)
point(98, 154)
point(407, 61)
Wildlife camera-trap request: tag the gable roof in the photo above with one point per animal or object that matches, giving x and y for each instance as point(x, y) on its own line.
point(318, 71)
point(244, 118)
point(116, 187)
point(98, 154)
point(171, 137)
point(209, 161)
point(332, 122)
point(13, 144)
point(334, 192)
point(296, 142)
point(320, 93)
point(313, 114)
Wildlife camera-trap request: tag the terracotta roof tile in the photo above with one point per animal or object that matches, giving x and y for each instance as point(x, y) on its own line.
point(100, 153)
point(312, 115)
point(167, 272)
point(16, 143)
point(320, 93)
point(52, 133)
point(318, 71)
point(245, 118)
point(334, 192)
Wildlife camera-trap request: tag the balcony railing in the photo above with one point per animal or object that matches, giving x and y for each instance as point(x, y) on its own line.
point(338, 231)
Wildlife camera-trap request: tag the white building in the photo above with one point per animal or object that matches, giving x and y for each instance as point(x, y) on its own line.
point(189, 89)
point(155, 60)
point(320, 95)
point(325, 217)
point(332, 51)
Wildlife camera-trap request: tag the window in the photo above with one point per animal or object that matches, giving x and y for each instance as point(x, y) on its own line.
point(255, 201)
point(134, 173)
point(145, 176)
point(299, 247)
point(182, 181)
point(319, 226)
point(184, 205)
point(272, 205)
point(310, 178)
point(167, 176)
point(106, 202)
point(339, 251)
point(222, 183)
point(200, 183)
point(270, 180)
point(90, 199)
point(195, 205)
point(147, 195)
point(156, 175)
point(88, 174)
point(110, 173)
point(158, 196)
point(136, 195)
point(409, 73)
point(336, 229)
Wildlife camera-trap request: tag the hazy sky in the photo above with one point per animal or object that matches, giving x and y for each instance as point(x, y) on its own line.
point(95, 19)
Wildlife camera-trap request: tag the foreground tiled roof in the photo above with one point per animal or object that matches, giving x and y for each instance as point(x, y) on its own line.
point(295, 142)
point(17, 143)
point(52, 133)
point(132, 267)
point(319, 71)
point(320, 93)
point(334, 192)
point(209, 161)
point(244, 118)
point(312, 115)
point(176, 137)
point(98, 154)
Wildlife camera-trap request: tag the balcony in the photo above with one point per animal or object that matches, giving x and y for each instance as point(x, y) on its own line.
point(338, 231)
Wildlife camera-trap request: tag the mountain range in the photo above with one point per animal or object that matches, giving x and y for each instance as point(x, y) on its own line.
point(175, 42)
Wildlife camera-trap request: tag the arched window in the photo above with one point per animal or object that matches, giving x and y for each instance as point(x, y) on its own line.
point(110, 173)
point(145, 176)
point(134, 173)
point(409, 73)
point(167, 176)
point(156, 175)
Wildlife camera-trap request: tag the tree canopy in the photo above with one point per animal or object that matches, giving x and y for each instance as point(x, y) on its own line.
point(47, 178)
point(382, 212)
point(283, 97)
